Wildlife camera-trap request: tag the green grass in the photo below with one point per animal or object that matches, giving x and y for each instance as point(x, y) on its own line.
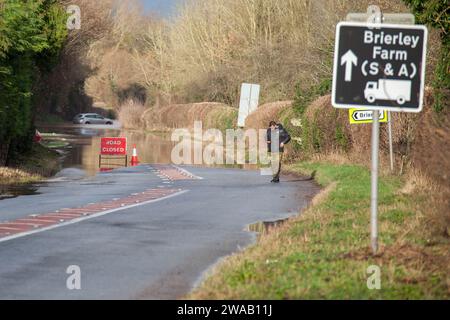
point(55, 144)
point(324, 254)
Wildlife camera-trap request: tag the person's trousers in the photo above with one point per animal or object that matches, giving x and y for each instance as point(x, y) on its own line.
point(276, 159)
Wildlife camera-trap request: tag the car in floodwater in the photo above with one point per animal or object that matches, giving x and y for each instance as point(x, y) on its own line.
point(91, 118)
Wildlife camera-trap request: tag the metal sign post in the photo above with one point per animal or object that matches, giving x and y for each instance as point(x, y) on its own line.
point(391, 149)
point(376, 17)
point(374, 183)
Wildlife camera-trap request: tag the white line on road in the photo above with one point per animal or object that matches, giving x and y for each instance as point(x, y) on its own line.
point(188, 173)
point(24, 234)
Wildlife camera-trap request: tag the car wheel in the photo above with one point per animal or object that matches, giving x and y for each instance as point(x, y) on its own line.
point(109, 123)
point(87, 122)
point(371, 99)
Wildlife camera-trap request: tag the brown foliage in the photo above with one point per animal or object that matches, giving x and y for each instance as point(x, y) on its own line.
point(130, 115)
point(266, 113)
point(202, 54)
point(212, 115)
point(62, 91)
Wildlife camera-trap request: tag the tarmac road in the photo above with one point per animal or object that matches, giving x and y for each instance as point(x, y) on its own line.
point(147, 232)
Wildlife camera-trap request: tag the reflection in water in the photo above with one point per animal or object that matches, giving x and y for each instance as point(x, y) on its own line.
point(8, 192)
point(85, 146)
point(85, 142)
point(151, 148)
point(81, 158)
point(265, 227)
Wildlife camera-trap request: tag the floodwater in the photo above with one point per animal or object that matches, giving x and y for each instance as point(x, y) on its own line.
point(8, 192)
point(80, 158)
point(264, 227)
point(83, 154)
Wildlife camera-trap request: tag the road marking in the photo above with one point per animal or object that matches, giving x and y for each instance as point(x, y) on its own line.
point(9, 228)
point(174, 173)
point(7, 233)
point(187, 173)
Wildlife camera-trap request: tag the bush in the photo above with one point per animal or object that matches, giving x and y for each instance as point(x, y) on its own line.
point(436, 14)
point(130, 115)
point(32, 34)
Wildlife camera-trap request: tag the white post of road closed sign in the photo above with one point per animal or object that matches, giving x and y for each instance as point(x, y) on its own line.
point(377, 67)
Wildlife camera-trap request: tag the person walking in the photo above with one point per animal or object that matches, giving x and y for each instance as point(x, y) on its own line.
point(277, 138)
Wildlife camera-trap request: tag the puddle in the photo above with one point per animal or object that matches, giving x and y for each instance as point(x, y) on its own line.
point(265, 227)
point(13, 191)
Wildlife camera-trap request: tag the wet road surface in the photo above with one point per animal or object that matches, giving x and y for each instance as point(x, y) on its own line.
point(147, 232)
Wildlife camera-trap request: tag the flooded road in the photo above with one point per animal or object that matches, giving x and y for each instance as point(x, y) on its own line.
point(82, 156)
point(80, 148)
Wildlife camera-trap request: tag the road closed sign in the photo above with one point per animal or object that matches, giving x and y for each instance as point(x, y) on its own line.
point(113, 146)
point(379, 66)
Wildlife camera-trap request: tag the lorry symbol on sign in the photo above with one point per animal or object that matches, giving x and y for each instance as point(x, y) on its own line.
point(395, 90)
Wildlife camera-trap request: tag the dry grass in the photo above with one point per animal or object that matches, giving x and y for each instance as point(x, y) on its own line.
point(216, 45)
point(130, 115)
point(36, 165)
point(17, 176)
point(324, 194)
point(334, 157)
point(416, 181)
point(265, 113)
point(211, 114)
point(435, 209)
point(211, 47)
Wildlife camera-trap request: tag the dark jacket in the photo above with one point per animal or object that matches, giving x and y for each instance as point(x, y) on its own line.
point(283, 135)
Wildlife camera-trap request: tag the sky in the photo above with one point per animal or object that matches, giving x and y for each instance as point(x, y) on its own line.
point(162, 7)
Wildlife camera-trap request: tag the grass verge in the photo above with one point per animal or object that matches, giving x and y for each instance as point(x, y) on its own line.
point(38, 164)
point(324, 253)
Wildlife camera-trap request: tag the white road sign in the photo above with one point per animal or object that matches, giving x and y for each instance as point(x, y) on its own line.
point(249, 101)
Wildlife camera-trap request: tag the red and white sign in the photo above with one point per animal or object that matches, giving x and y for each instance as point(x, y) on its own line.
point(37, 137)
point(114, 146)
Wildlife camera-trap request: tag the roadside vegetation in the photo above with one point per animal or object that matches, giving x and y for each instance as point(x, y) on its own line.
point(32, 34)
point(35, 165)
point(325, 253)
point(121, 58)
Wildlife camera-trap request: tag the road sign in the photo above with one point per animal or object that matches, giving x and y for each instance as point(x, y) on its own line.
point(249, 101)
point(393, 18)
point(358, 116)
point(113, 146)
point(379, 66)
